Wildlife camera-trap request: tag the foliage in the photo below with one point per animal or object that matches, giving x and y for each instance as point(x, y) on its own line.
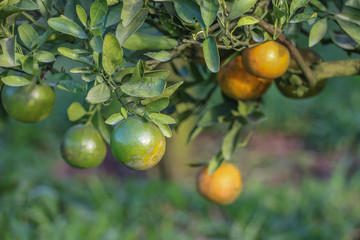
point(116, 45)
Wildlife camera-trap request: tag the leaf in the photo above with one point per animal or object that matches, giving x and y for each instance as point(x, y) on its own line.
point(104, 129)
point(162, 74)
point(317, 32)
point(189, 11)
point(15, 81)
point(296, 4)
point(114, 16)
point(98, 94)
point(45, 37)
point(353, 4)
point(71, 86)
point(124, 112)
point(240, 7)
point(30, 66)
point(28, 35)
point(166, 93)
point(302, 17)
point(209, 9)
point(165, 119)
point(129, 11)
point(140, 41)
point(318, 5)
point(112, 54)
point(157, 105)
point(161, 56)
point(82, 70)
point(21, 6)
point(123, 33)
point(98, 10)
point(67, 26)
point(45, 7)
point(8, 49)
point(343, 40)
point(75, 111)
point(44, 56)
point(211, 54)
point(145, 87)
point(352, 29)
point(96, 43)
point(81, 15)
point(215, 163)
point(54, 79)
point(71, 53)
point(165, 129)
point(114, 119)
point(230, 141)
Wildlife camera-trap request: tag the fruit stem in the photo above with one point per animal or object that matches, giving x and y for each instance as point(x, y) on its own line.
point(293, 51)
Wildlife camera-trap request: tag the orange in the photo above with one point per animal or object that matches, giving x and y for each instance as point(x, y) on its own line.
point(236, 83)
point(83, 147)
point(268, 60)
point(28, 104)
point(137, 143)
point(223, 186)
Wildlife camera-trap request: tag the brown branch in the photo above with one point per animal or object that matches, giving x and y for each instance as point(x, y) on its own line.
point(294, 52)
point(340, 68)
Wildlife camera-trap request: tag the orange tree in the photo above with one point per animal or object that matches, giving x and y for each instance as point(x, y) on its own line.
point(121, 47)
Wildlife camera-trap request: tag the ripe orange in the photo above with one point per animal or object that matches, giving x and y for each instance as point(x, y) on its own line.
point(268, 60)
point(137, 143)
point(28, 104)
point(223, 186)
point(83, 147)
point(237, 83)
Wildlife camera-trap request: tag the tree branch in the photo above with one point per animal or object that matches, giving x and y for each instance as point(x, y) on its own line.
point(340, 68)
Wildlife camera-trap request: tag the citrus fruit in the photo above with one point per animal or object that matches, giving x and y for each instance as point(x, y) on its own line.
point(29, 104)
point(236, 83)
point(291, 90)
point(83, 147)
point(223, 186)
point(268, 60)
point(137, 143)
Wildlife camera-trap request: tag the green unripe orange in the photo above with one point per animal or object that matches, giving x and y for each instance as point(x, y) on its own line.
point(137, 143)
point(28, 104)
point(83, 147)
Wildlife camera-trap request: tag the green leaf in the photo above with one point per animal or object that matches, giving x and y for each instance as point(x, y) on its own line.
point(209, 9)
point(230, 141)
point(75, 111)
point(98, 10)
point(162, 74)
point(123, 33)
point(114, 119)
point(166, 93)
point(81, 15)
point(28, 35)
point(189, 11)
point(215, 163)
point(124, 112)
point(71, 86)
point(240, 7)
point(114, 16)
point(352, 29)
point(44, 56)
point(317, 32)
point(54, 79)
point(96, 43)
point(165, 119)
point(318, 5)
point(302, 17)
point(140, 41)
point(144, 87)
point(165, 129)
point(161, 56)
point(21, 6)
point(45, 7)
point(98, 94)
point(157, 105)
point(30, 66)
point(296, 4)
point(67, 26)
point(278, 12)
point(15, 81)
point(343, 40)
point(8, 49)
point(112, 54)
point(353, 4)
point(71, 53)
point(248, 20)
point(129, 11)
point(104, 129)
point(82, 70)
point(211, 54)
point(45, 37)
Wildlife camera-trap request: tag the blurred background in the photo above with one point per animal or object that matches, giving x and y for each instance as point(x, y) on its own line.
point(300, 170)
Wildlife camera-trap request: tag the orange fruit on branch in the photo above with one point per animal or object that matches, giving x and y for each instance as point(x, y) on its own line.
point(267, 60)
point(236, 83)
point(137, 143)
point(223, 186)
